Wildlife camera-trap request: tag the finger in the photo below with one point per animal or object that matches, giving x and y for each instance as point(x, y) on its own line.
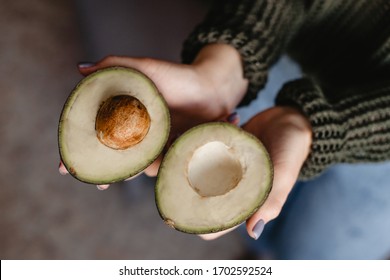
point(62, 169)
point(102, 187)
point(271, 208)
point(212, 236)
point(133, 177)
point(152, 170)
point(86, 68)
point(233, 118)
point(141, 64)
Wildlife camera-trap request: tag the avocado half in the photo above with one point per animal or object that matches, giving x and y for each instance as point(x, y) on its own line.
point(113, 125)
point(214, 177)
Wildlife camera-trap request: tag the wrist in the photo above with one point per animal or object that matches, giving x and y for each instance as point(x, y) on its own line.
point(220, 68)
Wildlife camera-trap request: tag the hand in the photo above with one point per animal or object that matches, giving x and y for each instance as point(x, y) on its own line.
point(287, 136)
point(207, 90)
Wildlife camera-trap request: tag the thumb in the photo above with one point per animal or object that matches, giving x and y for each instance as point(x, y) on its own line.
point(272, 207)
point(152, 170)
point(142, 64)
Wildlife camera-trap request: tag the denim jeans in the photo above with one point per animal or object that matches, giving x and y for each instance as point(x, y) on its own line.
point(342, 214)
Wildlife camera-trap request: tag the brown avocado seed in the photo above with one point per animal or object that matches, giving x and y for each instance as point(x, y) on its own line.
point(122, 122)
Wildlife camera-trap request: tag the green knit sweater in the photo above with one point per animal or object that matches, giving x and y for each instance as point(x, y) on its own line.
point(343, 48)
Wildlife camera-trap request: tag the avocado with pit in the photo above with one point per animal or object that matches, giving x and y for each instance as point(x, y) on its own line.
point(114, 124)
point(213, 177)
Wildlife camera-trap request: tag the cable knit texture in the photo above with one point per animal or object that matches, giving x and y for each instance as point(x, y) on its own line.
point(356, 129)
point(259, 30)
point(344, 49)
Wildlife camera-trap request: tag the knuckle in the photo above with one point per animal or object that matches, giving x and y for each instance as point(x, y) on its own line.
point(275, 207)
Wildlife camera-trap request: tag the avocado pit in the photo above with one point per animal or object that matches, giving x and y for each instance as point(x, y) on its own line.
point(122, 121)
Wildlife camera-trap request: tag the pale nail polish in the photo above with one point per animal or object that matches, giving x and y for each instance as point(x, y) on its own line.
point(102, 187)
point(62, 169)
point(258, 229)
point(85, 64)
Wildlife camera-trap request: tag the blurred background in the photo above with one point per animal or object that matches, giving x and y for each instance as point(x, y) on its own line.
point(44, 215)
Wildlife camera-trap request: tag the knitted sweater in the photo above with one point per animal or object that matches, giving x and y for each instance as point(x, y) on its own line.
point(343, 48)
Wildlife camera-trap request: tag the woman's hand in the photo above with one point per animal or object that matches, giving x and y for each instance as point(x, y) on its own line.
point(287, 136)
point(207, 90)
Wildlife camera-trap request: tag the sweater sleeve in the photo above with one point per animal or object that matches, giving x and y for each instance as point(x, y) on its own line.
point(355, 128)
point(259, 30)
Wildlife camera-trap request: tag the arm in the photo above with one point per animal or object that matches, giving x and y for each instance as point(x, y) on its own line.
point(306, 133)
point(353, 128)
point(322, 131)
point(259, 30)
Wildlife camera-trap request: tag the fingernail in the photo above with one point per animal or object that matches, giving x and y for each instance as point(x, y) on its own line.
point(258, 229)
point(85, 64)
point(233, 118)
point(102, 187)
point(62, 169)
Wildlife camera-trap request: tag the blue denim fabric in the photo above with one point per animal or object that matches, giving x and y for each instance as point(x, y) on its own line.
point(342, 214)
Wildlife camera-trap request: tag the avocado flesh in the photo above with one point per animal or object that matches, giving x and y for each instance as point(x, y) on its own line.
point(83, 154)
point(213, 177)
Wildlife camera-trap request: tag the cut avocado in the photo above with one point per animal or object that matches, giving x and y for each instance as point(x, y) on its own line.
point(113, 125)
point(212, 178)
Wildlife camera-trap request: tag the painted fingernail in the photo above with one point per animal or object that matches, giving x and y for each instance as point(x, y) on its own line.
point(102, 187)
point(233, 118)
point(258, 229)
point(85, 64)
